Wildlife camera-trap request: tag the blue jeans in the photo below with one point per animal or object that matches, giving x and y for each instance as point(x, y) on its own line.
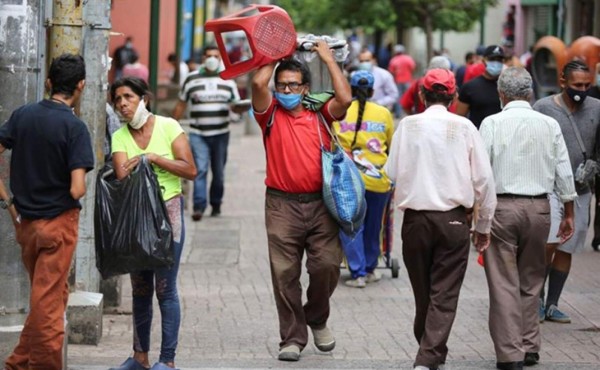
point(213, 150)
point(164, 282)
point(362, 252)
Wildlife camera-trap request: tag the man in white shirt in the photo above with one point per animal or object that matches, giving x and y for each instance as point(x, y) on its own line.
point(529, 158)
point(441, 170)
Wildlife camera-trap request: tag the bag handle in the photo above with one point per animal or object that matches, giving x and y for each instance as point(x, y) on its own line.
point(557, 99)
point(329, 130)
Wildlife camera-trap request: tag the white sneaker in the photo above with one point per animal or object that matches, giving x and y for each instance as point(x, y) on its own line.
point(421, 368)
point(359, 282)
point(373, 277)
point(324, 339)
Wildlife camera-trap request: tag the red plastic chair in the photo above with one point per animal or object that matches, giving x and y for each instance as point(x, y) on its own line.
point(270, 33)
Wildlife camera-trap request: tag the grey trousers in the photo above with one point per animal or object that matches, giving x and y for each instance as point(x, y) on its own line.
point(293, 228)
point(515, 265)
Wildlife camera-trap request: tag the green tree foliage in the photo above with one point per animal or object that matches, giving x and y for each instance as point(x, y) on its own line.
point(326, 16)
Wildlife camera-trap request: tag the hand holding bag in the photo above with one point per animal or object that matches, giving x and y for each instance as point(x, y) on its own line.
point(131, 223)
point(343, 187)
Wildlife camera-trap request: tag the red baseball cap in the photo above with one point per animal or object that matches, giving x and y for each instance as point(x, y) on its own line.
point(440, 81)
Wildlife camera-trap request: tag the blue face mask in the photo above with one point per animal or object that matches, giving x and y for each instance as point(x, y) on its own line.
point(365, 66)
point(288, 101)
point(494, 68)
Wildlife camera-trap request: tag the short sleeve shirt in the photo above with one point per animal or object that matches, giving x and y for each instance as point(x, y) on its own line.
point(482, 97)
point(373, 139)
point(166, 130)
point(48, 142)
point(293, 148)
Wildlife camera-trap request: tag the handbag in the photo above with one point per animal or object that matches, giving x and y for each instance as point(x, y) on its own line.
point(587, 170)
point(343, 186)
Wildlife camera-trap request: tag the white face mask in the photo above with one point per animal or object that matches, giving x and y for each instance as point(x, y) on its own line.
point(212, 64)
point(140, 117)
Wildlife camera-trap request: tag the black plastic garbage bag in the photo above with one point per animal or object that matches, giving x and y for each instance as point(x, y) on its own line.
point(131, 224)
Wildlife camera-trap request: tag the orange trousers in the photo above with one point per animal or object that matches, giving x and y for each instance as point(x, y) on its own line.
point(47, 247)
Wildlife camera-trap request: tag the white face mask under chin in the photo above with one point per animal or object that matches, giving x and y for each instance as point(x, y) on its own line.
point(140, 117)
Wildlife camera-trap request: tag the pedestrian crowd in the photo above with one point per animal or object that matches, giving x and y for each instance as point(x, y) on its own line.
point(472, 162)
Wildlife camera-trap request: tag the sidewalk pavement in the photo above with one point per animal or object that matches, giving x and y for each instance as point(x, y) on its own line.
point(229, 320)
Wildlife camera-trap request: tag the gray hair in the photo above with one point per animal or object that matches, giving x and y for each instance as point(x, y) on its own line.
point(439, 62)
point(515, 83)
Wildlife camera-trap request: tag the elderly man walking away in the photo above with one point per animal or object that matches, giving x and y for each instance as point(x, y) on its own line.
point(530, 160)
point(579, 119)
point(443, 149)
point(296, 218)
point(51, 152)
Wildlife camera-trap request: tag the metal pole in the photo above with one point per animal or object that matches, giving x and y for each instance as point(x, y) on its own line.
point(194, 11)
point(178, 33)
point(154, 32)
point(204, 18)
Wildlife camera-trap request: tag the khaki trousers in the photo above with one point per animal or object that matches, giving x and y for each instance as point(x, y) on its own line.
point(47, 249)
point(435, 248)
point(515, 265)
point(295, 227)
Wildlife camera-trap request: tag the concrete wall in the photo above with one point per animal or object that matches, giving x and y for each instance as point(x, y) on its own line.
point(21, 68)
point(132, 18)
point(458, 43)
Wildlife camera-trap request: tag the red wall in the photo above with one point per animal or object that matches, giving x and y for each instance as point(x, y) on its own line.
point(132, 18)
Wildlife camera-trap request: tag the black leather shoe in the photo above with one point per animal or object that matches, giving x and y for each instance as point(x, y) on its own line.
point(595, 244)
point(531, 358)
point(216, 211)
point(517, 365)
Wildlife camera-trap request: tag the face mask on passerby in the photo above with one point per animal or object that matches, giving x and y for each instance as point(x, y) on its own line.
point(365, 66)
point(577, 96)
point(494, 68)
point(288, 101)
point(140, 117)
point(211, 64)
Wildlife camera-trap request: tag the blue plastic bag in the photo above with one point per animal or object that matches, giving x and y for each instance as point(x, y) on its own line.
point(343, 186)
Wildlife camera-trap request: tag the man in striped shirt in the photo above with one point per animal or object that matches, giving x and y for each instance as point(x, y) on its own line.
point(207, 98)
point(529, 159)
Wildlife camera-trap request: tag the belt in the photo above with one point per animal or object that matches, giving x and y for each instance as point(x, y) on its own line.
point(517, 196)
point(298, 197)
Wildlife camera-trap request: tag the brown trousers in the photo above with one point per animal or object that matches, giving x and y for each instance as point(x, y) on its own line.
point(294, 227)
point(47, 250)
point(515, 266)
point(435, 248)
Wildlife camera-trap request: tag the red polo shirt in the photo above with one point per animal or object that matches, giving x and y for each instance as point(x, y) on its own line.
point(293, 148)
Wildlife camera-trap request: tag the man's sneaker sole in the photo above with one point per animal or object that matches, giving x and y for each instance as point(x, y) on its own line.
point(289, 353)
point(326, 347)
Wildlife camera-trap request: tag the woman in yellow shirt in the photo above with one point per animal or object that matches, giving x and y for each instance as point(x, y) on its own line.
point(366, 134)
point(165, 145)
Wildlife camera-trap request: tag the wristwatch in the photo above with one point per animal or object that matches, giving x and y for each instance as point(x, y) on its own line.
point(4, 204)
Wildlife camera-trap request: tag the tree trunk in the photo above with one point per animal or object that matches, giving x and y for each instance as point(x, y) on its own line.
point(399, 23)
point(428, 28)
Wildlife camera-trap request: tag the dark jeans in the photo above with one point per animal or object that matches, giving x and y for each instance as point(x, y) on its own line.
point(209, 150)
point(293, 228)
point(164, 282)
point(362, 252)
point(435, 251)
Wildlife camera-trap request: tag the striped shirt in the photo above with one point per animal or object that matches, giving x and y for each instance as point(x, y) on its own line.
point(527, 152)
point(208, 99)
